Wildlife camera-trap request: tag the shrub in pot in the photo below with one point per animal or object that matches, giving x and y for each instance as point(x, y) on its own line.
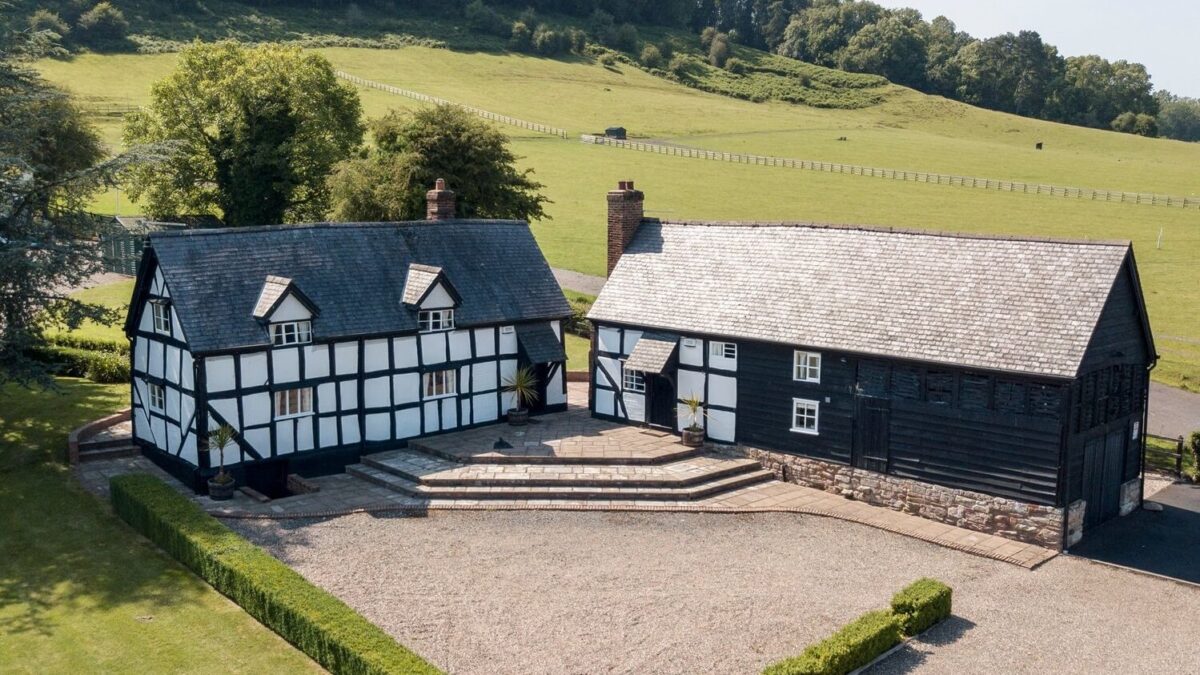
point(693, 433)
point(220, 486)
point(523, 384)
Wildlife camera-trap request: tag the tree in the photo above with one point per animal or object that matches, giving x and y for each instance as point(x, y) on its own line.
point(1140, 124)
point(1178, 117)
point(943, 44)
point(102, 27)
point(415, 149)
point(258, 131)
point(819, 33)
point(651, 57)
point(1013, 73)
point(1096, 91)
point(51, 165)
point(888, 47)
point(718, 51)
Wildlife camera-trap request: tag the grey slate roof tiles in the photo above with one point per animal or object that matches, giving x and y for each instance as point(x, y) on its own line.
point(272, 289)
point(1007, 304)
point(540, 343)
point(419, 279)
point(355, 273)
point(652, 352)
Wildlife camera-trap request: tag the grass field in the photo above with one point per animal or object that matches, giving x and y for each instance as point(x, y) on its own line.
point(908, 131)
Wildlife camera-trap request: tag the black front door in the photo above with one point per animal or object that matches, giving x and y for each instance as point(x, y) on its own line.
point(661, 408)
point(542, 372)
point(871, 437)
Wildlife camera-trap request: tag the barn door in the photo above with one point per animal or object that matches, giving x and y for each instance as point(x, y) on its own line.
point(1093, 481)
point(1114, 458)
point(871, 437)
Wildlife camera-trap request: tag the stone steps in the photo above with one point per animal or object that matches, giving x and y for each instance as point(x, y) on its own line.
point(437, 472)
point(564, 490)
point(96, 452)
point(518, 455)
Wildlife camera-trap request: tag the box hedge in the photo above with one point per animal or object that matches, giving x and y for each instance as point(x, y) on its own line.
point(322, 626)
point(854, 646)
point(105, 367)
point(921, 604)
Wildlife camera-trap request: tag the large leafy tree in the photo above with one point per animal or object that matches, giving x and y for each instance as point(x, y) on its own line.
point(414, 149)
point(890, 47)
point(52, 163)
point(258, 130)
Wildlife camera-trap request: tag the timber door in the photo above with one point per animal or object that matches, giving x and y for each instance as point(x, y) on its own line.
point(871, 434)
point(543, 372)
point(661, 408)
point(1103, 457)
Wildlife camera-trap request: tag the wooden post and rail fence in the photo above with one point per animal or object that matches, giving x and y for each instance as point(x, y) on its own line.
point(1162, 459)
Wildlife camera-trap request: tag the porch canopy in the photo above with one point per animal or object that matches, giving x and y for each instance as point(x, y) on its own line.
point(652, 352)
point(540, 343)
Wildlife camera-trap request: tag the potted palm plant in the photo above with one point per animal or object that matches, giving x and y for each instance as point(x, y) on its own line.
point(523, 384)
point(693, 433)
point(220, 486)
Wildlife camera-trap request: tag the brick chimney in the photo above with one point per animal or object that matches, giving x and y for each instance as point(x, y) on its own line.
point(439, 202)
point(624, 216)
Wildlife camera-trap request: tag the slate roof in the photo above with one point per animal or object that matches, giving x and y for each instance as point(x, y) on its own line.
point(355, 273)
point(1007, 304)
point(540, 343)
point(651, 352)
point(420, 278)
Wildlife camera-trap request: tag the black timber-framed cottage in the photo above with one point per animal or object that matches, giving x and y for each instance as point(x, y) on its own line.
point(319, 343)
point(994, 383)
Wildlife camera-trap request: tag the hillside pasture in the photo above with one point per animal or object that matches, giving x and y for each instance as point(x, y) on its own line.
point(907, 131)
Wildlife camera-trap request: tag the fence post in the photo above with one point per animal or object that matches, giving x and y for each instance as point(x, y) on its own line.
point(1179, 457)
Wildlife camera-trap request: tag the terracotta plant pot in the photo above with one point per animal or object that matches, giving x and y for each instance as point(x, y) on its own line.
point(693, 438)
point(220, 492)
point(518, 418)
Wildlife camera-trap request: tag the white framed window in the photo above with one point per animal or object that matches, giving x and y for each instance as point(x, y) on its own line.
point(632, 380)
point(725, 350)
point(806, 366)
point(158, 397)
point(804, 416)
point(293, 402)
point(440, 383)
point(291, 333)
point(161, 312)
point(429, 320)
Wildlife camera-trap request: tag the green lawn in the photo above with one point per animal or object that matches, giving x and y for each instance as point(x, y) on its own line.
point(908, 131)
point(115, 295)
point(79, 591)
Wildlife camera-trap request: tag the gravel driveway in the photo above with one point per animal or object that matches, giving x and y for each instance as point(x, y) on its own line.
point(554, 592)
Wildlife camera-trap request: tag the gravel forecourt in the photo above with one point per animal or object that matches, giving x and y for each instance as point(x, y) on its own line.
point(560, 592)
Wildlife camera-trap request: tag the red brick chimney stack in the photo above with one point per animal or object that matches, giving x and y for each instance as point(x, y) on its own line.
point(439, 202)
point(624, 216)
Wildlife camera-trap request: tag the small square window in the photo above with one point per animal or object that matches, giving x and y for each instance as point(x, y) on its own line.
point(158, 397)
point(161, 312)
point(293, 402)
point(806, 367)
point(804, 416)
point(291, 333)
point(430, 320)
point(440, 383)
point(724, 350)
point(632, 380)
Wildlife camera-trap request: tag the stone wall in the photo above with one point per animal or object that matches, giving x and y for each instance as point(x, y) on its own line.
point(1021, 521)
point(1131, 496)
point(1075, 514)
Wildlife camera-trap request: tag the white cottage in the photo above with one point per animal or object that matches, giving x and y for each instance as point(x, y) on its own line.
point(318, 343)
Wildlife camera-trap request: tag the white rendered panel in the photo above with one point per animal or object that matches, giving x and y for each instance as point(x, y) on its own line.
point(286, 364)
point(433, 348)
point(285, 439)
point(345, 358)
point(508, 401)
point(349, 392)
point(256, 408)
point(316, 361)
point(259, 439)
point(158, 284)
point(172, 374)
point(176, 326)
point(219, 373)
point(484, 408)
point(174, 436)
point(254, 369)
point(690, 383)
point(438, 298)
point(720, 361)
point(554, 389)
point(141, 351)
point(722, 390)
point(375, 355)
point(449, 416)
point(631, 339)
point(683, 419)
point(304, 433)
point(604, 402)
point(408, 423)
point(290, 309)
point(405, 352)
point(350, 429)
point(406, 388)
point(431, 417)
point(187, 375)
point(328, 430)
point(721, 425)
point(146, 322)
point(376, 392)
point(465, 411)
point(327, 397)
point(460, 345)
point(485, 342)
point(159, 427)
point(188, 453)
point(609, 339)
point(691, 352)
point(172, 407)
point(508, 368)
point(508, 340)
point(379, 426)
point(635, 406)
point(610, 376)
point(483, 376)
point(155, 365)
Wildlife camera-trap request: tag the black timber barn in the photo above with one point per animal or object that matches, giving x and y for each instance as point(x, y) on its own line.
point(994, 383)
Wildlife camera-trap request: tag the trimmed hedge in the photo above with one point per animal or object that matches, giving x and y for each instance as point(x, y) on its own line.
point(94, 344)
point(325, 628)
point(921, 604)
point(854, 646)
point(104, 367)
point(914, 609)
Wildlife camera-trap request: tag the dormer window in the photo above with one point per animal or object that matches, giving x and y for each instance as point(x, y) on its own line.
point(291, 333)
point(161, 313)
point(430, 320)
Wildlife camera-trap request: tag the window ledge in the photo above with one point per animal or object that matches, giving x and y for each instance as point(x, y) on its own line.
point(806, 432)
point(796, 379)
point(292, 417)
point(438, 398)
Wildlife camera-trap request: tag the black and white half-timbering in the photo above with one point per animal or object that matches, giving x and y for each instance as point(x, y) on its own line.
point(992, 382)
point(318, 343)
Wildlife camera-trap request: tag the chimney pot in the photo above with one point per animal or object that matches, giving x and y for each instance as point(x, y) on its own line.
point(439, 202)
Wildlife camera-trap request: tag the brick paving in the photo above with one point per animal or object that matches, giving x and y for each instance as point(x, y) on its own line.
point(572, 435)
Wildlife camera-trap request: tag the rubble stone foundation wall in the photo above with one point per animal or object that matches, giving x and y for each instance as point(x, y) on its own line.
point(1021, 521)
